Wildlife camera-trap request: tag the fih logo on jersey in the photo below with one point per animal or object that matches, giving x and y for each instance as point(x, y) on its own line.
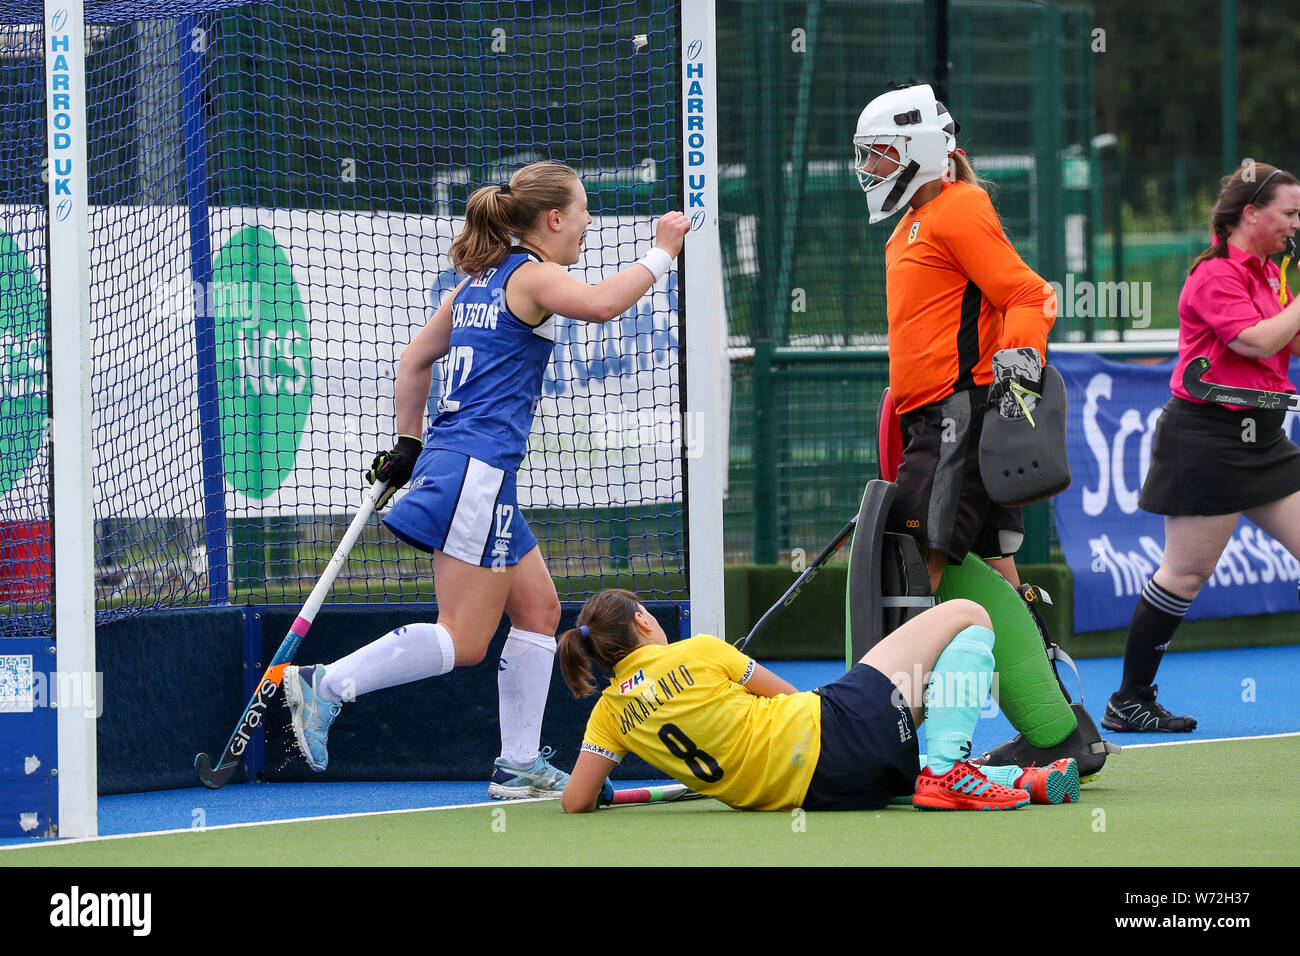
point(636, 680)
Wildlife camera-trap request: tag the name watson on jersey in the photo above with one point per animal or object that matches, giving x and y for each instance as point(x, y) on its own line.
point(651, 698)
point(474, 315)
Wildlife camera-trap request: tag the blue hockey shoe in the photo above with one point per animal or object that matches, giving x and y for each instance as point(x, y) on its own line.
point(538, 779)
point(309, 715)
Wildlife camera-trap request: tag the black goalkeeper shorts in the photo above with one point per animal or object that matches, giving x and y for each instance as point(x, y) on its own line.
point(941, 499)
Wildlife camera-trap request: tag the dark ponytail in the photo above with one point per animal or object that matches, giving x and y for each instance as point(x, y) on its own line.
point(605, 633)
point(1252, 184)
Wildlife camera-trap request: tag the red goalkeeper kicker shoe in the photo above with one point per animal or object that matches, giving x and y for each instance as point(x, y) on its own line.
point(964, 787)
point(1056, 783)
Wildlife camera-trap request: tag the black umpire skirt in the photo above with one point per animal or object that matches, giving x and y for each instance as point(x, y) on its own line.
point(1210, 460)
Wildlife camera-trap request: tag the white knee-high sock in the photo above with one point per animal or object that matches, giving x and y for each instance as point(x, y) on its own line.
point(523, 682)
point(409, 653)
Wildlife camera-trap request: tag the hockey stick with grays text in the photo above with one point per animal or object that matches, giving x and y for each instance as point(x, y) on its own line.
point(1194, 381)
point(269, 687)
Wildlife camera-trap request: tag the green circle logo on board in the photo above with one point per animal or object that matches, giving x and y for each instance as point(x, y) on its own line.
point(22, 363)
point(263, 361)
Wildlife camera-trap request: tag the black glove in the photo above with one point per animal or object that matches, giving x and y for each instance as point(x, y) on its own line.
point(395, 466)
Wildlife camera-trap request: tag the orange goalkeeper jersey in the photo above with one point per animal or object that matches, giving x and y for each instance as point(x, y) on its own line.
point(957, 292)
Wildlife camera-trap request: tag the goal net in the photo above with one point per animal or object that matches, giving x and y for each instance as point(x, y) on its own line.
point(273, 189)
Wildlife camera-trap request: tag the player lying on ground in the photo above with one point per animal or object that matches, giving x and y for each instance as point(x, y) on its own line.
point(498, 330)
point(709, 716)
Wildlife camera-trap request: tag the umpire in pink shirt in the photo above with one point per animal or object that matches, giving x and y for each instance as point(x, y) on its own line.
point(1211, 463)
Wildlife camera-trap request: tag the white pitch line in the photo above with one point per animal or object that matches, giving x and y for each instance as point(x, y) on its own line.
point(490, 803)
point(270, 823)
point(1211, 740)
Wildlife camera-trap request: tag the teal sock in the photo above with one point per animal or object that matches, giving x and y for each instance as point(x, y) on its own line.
point(958, 685)
point(1007, 776)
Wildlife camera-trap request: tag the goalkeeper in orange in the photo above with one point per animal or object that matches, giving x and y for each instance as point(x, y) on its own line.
point(707, 715)
point(964, 309)
point(968, 324)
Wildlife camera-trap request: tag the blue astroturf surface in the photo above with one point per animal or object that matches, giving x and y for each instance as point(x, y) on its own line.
point(1245, 692)
point(1232, 693)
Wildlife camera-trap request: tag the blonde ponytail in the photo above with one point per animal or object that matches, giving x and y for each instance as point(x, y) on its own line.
point(497, 215)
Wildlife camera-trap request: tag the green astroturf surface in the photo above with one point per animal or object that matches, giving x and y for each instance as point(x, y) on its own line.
point(1211, 804)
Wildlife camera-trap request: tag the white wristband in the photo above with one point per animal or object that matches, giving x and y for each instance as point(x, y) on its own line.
point(657, 261)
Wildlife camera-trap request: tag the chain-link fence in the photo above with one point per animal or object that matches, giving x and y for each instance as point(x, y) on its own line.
point(804, 270)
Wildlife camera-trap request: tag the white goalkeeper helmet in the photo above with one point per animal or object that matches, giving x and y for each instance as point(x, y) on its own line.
point(904, 140)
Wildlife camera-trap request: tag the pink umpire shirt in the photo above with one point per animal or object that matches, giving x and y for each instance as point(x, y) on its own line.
point(1221, 299)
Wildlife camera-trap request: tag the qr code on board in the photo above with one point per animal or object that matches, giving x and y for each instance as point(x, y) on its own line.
point(16, 684)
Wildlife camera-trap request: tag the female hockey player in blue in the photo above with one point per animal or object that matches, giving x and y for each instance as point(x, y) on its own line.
point(497, 333)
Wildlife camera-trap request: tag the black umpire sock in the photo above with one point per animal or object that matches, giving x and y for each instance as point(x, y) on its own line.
point(1157, 616)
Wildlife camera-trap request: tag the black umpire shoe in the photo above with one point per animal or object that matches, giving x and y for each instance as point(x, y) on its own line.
point(1084, 744)
point(1140, 712)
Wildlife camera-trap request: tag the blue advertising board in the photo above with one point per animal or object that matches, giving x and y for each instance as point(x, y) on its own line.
point(1110, 544)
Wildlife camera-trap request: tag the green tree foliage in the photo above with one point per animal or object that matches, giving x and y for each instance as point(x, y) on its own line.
point(1159, 86)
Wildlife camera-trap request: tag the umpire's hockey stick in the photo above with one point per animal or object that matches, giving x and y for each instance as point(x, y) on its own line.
point(661, 794)
point(1194, 381)
point(809, 573)
point(216, 777)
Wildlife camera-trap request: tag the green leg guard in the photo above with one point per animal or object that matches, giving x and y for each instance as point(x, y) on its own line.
point(1028, 691)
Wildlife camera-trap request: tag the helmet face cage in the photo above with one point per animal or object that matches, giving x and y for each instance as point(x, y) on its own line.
point(877, 152)
point(915, 133)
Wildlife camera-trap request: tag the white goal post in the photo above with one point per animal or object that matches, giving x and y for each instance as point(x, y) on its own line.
point(703, 376)
point(69, 335)
point(707, 379)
